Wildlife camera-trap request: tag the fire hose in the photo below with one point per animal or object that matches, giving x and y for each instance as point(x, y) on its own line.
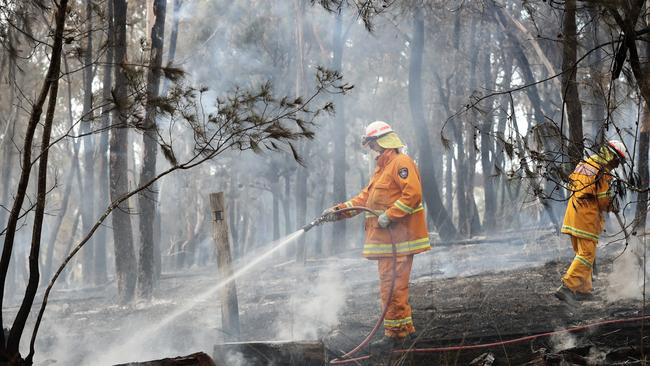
point(346, 358)
point(505, 342)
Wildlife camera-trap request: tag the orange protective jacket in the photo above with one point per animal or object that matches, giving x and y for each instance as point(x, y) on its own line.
point(394, 188)
point(590, 199)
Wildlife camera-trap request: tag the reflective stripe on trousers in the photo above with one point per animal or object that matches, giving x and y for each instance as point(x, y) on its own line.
point(578, 276)
point(398, 322)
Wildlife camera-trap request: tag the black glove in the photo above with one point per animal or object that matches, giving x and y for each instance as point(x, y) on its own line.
point(330, 214)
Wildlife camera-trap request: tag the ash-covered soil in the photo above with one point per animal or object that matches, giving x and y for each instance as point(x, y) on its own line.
point(462, 294)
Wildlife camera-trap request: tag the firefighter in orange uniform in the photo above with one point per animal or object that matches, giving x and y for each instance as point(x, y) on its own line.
point(591, 197)
point(395, 194)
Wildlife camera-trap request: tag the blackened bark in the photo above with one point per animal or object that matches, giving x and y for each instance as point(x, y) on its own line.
point(125, 265)
point(431, 194)
point(148, 198)
point(21, 191)
point(644, 177)
point(569, 85)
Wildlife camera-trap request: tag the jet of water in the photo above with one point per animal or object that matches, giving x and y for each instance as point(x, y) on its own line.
point(148, 332)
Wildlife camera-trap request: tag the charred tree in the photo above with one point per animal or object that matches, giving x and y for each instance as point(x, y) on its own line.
point(125, 264)
point(431, 193)
point(598, 80)
point(569, 84)
point(148, 198)
point(641, 213)
point(9, 347)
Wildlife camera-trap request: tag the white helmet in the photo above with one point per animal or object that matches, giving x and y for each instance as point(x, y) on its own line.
point(375, 130)
point(618, 147)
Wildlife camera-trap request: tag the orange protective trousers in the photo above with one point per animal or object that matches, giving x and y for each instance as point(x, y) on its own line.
point(397, 322)
point(578, 276)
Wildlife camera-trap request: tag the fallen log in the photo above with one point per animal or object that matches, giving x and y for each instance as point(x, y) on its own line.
point(195, 359)
point(270, 353)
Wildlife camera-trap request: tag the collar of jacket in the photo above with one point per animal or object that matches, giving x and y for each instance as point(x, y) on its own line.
point(385, 157)
point(595, 163)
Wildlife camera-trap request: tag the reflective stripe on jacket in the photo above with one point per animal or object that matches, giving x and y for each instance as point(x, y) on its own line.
point(394, 188)
point(590, 198)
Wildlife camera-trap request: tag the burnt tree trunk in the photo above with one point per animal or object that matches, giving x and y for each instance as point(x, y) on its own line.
point(431, 193)
point(644, 176)
point(125, 264)
point(148, 198)
point(598, 81)
point(569, 84)
point(9, 348)
point(15, 334)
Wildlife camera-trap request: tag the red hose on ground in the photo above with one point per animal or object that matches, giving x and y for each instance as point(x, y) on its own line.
point(346, 357)
point(500, 343)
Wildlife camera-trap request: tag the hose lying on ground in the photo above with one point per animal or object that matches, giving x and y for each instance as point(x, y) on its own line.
point(500, 343)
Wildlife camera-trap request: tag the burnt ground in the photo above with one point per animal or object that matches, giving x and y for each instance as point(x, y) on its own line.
point(464, 294)
point(507, 304)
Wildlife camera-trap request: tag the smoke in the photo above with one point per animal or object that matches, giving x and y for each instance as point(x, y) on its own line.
point(626, 278)
point(563, 341)
point(314, 309)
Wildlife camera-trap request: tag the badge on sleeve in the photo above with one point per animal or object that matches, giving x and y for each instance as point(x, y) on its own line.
point(403, 173)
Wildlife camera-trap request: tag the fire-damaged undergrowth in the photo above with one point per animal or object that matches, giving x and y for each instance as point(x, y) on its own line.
point(475, 293)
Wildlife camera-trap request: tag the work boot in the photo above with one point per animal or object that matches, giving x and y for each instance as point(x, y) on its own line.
point(565, 294)
point(584, 296)
point(406, 342)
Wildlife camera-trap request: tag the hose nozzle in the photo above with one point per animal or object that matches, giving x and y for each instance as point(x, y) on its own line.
point(317, 221)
